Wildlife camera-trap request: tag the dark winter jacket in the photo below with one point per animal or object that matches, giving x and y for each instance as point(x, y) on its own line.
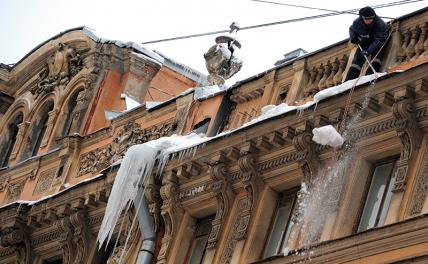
point(371, 37)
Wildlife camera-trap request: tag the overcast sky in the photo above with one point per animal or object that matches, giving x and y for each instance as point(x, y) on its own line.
point(26, 23)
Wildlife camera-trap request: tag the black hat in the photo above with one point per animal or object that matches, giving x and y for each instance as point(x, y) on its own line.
point(367, 12)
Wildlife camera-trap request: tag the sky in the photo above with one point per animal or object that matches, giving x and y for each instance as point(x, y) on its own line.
point(24, 24)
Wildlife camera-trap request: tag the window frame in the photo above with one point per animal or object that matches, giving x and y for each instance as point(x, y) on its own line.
point(200, 224)
point(391, 159)
point(281, 202)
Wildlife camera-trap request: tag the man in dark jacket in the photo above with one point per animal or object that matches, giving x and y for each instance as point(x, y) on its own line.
point(370, 32)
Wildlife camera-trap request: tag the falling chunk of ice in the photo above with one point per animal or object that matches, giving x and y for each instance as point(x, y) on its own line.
point(327, 135)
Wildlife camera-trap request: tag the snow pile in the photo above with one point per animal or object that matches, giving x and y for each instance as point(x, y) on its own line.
point(346, 86)
point(137, 165)
point(270, 111)
point(152, 104)
point(327, 135)
point(130, 102)
point(208, 91)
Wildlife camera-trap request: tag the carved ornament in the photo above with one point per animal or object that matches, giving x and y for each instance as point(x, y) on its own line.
point(410, 136)
point(60, 68)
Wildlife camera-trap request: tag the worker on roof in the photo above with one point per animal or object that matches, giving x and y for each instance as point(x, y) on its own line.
point(370, 32)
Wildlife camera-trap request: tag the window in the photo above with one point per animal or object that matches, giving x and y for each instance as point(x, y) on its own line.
point(53, 260)
point(8, 140)
point(202, 127)
point(72, 102)
point(379, 195)
point(42, 126)
point(200, 239)
point(35, 137)
point(283, 93)
point(281, 224)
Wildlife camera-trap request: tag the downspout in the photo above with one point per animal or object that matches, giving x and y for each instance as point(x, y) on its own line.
point(147, 229)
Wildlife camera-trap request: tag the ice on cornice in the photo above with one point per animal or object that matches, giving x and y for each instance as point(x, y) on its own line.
point(139, 161)
point(137, 165)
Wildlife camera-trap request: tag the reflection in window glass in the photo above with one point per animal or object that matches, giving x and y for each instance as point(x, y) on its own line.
point(281, 225)
point(378, 197)
point(197, 249)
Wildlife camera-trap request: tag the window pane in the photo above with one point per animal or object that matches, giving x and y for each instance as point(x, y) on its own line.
point(387, 201)
point(375, 195)
point(281, 228)
point(277, 232)
point(198, 250)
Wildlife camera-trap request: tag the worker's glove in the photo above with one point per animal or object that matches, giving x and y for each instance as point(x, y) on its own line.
point(355, 40)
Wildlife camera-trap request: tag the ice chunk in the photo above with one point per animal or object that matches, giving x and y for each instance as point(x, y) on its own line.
point(327, 135)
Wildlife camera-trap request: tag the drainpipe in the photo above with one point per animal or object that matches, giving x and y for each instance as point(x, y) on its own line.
point(147, 229)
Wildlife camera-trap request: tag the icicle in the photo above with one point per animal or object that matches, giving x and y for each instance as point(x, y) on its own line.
point(136, 167)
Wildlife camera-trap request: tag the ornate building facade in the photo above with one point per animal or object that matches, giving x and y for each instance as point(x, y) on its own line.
point(65, 127)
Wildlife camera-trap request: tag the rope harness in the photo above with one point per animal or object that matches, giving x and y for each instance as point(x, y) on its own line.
point(342, 125)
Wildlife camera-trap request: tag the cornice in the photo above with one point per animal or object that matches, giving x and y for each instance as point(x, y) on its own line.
point(371, 242)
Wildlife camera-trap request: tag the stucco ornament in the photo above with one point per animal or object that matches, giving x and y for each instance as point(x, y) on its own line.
point(222, 60)
point(60, 68)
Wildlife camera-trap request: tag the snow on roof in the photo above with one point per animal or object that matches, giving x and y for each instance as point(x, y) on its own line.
point(156, 56)
point(198, 77)
point(66, 185)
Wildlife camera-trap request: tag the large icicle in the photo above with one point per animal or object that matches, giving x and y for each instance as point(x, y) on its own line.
point(136, 167)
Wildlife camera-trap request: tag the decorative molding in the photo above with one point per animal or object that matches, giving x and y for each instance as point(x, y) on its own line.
point(45, 181)
point(82, 235)
point(252, 185)
point(222, 190)
point(49, 126)
point(60, 68)
point(194, 191)
point(95, 160)
point(154, 200)
point(408, 132)
point(241, 96)
point(66, 242)
point(17, 238)
point(46, 237)
point(22, 129)
point(419, 195)
point(131, 134)
point(306, 153)
point(171, 212)
point(14, 191)
point(231, 240)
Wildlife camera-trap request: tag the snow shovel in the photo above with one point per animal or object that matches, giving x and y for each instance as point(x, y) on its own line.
point(368, 61)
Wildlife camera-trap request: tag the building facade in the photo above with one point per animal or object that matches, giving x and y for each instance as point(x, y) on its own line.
point(264, 192)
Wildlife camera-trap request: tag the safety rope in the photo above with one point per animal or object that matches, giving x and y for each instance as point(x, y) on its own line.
point(342, 124)
point(351, 92)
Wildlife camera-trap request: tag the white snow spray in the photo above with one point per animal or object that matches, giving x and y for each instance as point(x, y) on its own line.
point(320, 198)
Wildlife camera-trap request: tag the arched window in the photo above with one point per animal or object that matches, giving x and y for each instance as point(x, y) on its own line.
point(42, 125)
point(38, 130)
point(71, 107)
point(8, 140)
